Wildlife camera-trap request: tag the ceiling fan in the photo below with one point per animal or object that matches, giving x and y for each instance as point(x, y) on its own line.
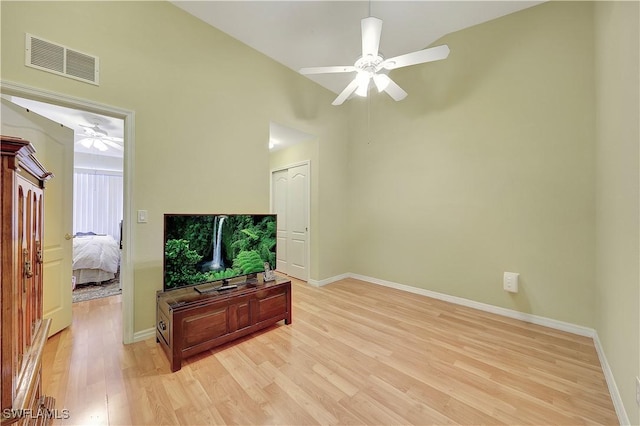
point(372, 66)
point(99, 139)
point(95, 129)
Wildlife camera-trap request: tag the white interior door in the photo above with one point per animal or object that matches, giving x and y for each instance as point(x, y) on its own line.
point(298, 213)
point(290, 201)
point(279, 184)
point(54, 149)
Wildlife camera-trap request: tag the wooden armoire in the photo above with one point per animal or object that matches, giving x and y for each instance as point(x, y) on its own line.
point(23, 331)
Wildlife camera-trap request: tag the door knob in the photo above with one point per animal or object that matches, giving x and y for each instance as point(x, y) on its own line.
point(68, 236)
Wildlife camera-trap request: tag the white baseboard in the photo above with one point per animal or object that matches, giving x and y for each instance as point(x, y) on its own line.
point(141, 335)
point(320, 283)
point(534, 319)
point(510, 313)
point(623, 418)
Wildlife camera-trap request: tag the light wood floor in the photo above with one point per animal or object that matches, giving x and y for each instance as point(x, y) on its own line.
point(356, 353)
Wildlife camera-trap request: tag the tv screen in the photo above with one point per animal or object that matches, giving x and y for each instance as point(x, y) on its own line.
point(200, 248)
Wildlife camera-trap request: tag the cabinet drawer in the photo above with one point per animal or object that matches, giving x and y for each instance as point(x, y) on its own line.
point(163, 326)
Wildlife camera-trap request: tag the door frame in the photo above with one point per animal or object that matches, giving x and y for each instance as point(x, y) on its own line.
point(286, 167)
point(126, 264)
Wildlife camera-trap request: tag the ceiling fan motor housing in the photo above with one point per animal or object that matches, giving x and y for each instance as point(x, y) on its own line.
point(369, 63)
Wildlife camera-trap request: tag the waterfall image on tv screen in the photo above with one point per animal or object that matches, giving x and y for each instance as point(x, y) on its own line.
point(200, 248)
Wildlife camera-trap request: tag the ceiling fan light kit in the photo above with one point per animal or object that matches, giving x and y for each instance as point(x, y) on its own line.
point(381, 81)
point(363, 83)
point(372, 66)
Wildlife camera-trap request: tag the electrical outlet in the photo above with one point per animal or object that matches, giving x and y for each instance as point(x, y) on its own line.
point(510, 282)
point(638, 391)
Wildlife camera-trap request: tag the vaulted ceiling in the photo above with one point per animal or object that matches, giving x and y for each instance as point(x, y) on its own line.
point(326, 33)
point(312, 33)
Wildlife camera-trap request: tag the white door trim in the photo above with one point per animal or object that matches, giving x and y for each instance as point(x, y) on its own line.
point(126, 265)
point(289, 166)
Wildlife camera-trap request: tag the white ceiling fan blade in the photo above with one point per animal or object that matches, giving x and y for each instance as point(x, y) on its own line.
point(395, 91)
point(371, 30)
point(326, 70)
point(113, 144)
point(86, 142)
point(421, 56)
point(97, 143)
point(346, 92)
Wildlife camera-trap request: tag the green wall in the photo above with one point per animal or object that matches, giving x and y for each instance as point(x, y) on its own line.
point(203, 103)
point(487, 166)
point(518, 153)
point(617, 288)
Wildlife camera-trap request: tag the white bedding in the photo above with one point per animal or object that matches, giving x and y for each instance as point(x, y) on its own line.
point(96, 252)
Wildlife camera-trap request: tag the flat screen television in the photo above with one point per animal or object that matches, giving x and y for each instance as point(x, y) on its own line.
point(202, 248)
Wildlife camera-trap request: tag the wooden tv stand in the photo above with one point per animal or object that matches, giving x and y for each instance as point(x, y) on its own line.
point(188, 322)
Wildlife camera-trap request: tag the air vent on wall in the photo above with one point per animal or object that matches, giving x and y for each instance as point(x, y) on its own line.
point(47, 56)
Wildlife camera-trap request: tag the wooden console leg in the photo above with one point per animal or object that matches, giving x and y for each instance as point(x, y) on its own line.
point(287, 320)
point(176, 363)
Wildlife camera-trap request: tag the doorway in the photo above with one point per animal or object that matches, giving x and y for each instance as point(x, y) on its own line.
point(98, 147)
point(126, 271)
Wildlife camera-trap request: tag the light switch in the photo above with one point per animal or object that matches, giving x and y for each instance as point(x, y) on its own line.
point(142, 216)
point(510, 282)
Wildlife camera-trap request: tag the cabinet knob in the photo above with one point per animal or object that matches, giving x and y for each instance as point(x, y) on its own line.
point(162, 325)
point(68, 236)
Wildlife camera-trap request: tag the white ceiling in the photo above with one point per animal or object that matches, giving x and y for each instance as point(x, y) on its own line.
point(310, 33)
point(281, 137)
point(325, 33)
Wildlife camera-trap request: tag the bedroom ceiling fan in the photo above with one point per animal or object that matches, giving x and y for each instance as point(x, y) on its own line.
point(99, 139)
point(372, 66)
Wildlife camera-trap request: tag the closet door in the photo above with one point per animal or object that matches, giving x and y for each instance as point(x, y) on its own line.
point(298, 225)
point(279, 185)
point(290, 201)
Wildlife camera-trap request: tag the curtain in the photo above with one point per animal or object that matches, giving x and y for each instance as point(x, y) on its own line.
point(97, 202)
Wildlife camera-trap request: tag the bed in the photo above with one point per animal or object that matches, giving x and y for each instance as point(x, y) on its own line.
point(96, 258)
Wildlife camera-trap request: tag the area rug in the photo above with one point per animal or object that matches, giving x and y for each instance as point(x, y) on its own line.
point(90, 291)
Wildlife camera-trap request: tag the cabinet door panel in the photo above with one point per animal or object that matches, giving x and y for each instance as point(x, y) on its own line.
point(271, 307)
point(239, 316)
point(207, 326)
